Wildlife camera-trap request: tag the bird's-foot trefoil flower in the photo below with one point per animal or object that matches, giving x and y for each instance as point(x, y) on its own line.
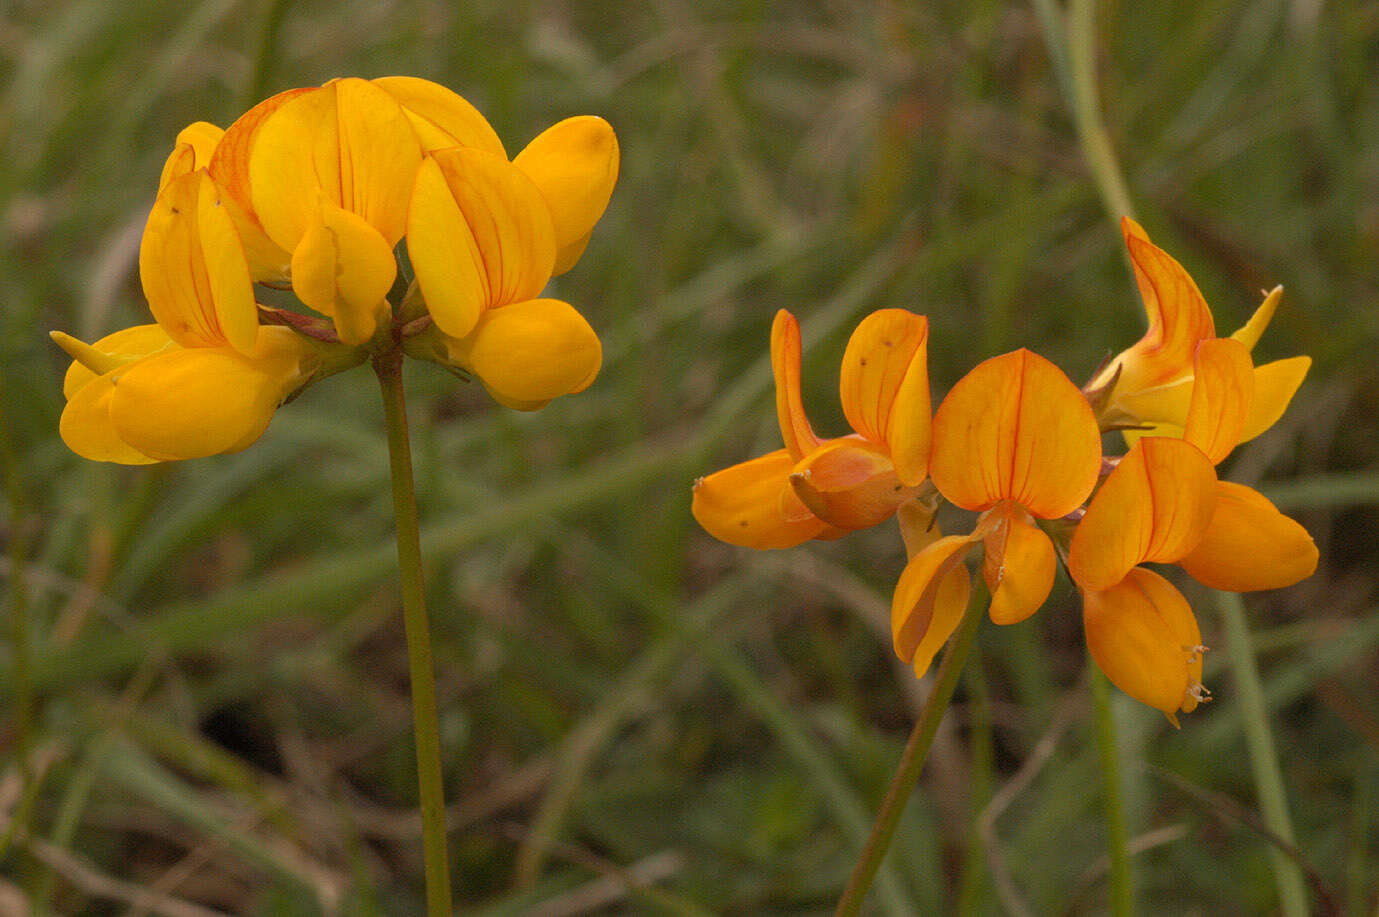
point(815, 488)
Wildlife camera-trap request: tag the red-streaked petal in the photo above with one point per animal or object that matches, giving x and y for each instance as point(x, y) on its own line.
point(849, 483)
point(929, 600)
point(878, 358)
point(742, 505)
point(786, 355)
point(1143, 635)
point(1222, 392)
point(1019, 566)
point(1155, 506)
point(1250, 545)
point(1014, 428)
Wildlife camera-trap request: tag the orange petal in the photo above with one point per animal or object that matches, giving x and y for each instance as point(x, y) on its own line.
point(1019, 566)
point(1250, 333)
point(441, 117)
point(929, 600)
point(878, 358)
point(1155, 506)
point(1144, 636)
point(742, 505)
point(110, 352)
point(1178, 317)
point(88, 430)
point(786, 355)
point(343, 267)
point(849, 483)
point(530, 352)
point(1014, 428)
point(1250, 545)
point(193, 149)
point(575, 164)
point(1222, 392)
point(1274, 386)
point(193, 268)
point(229, 164)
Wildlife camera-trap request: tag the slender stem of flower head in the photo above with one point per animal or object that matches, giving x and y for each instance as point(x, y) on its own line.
point(916, 750)
point(1273, 800)
point(1117, 842)
point(1080, 51)
point(388, 365)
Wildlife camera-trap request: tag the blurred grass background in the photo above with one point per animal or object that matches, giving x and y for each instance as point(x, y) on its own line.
point(209, 713)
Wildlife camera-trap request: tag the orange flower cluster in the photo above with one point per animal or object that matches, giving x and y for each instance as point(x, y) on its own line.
point(1019, 444)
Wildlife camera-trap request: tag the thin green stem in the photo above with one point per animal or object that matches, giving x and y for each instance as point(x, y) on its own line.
point(388, 365)
point(1273, 800)
point(916, 750)
point(1117, 840)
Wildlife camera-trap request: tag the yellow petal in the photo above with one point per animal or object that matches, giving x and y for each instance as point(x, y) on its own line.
point(203, 401)
point(1274, 386)
point(110, 352)
point(786, 354)
point(348, 143)
point(1161, 405)
point(1222, 392)
point(88, 430)
point(742, 505)
point(1019, 566)
point(929, 600)
point(1250, 333)
point(1155, 506)
point(530, 352)
point(343, 267)
point(885, 385)
point(1144, 636)
point(440, 116)
point(1178, 318)
point(1250, 545)
point(505, 250)
point(1014, 428)
point(575, 165)
point(193, 268)
point(192, 150)
point(849, 483)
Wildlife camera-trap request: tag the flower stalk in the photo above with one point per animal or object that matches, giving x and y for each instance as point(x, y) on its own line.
point(1117, 842)
point(388, 366)
point(915, 754)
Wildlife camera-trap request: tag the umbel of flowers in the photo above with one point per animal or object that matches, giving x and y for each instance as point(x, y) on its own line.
point(314, 190)
point(1020, 445)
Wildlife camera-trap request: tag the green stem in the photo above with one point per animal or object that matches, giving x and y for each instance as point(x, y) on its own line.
point(916, 750)
point(1080, 54)
point(388, 365)
point(1273, 801)
point(1122, 880)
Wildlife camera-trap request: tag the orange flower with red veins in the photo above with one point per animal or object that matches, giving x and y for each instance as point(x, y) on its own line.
point(1164, 504)
point(817, 488)
point(1150, 383)
point(1016, 441)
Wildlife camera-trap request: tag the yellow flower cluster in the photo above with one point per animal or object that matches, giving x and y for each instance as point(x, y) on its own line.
point(314, 190)
point(1018, 443)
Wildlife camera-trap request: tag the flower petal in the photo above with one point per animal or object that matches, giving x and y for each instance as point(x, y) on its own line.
point(348, 143)
point(742, 505)
point(193, 268)
point(505, 249)
point(1250, 332)
point(1144, 636)
point(1014, 428)
point(1250, 545)
point(575, 164)
point(440, 116)
point(112, 351)
point(1274, 386)
point(87, 429)
point(929, 600)
point(206, 400)
point(886, 348)
point(1155, 506)
point(1222, 392)
point(1178, 318)
point(786, 355)
point(849, 483)
point(343, 267)
point(530, 352)
point(1019, 566)
point(193, 149)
